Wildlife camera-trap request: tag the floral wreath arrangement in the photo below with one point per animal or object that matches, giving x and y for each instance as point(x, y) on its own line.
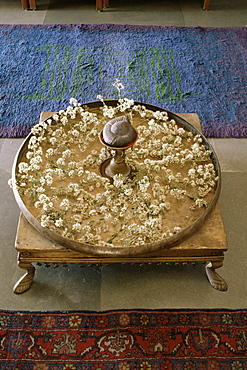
point(173, 176)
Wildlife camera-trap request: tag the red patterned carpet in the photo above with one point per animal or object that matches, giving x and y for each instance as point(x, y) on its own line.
point(124, 340)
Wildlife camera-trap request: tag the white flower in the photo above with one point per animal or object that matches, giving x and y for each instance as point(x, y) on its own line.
point(171, 178)
point(29, 155)
point(59, 222)
point(66, 153)
point(49, 152)
point(125, 104)
point(60, 173)
point(43, 198)
point(128, 191)
point(178, 141)
point(118, 180)
point(199, 181)
point(49, 180)
point(12, 183)
point(118, 84)
point(40, 189)
point(160, 115)
point(60, 162)
point(32, 141)
point(73, 101)
point(74, 189)
point(53, 140)
point(181, 131)
point(56, 117)
point(200, 169)
point(153, 209)
point(80, 172)
point(71, 173)
point(108, 112)
point(64, 120)
point(100, 97)
point(72, 165)
point(45, 221)
point(151, 122)
point(191, 172)
point(75, 133)
point(65, 204)
point(199, 202)
point(177, 193)
point(23, 167)
point(177, 230)
point(76, 227)
point(189, 157)
point(47, 206)
point(165, 205)
point(38, 204)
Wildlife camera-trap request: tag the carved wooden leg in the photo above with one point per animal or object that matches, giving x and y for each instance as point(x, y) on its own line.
point(206, 4)
point(99, 5)
point(214, 278)
point(25, 4)
point(26, 280)
point(32, 4)
point(106, 3)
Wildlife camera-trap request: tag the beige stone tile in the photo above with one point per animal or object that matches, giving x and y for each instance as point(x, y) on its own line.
point(232, 154)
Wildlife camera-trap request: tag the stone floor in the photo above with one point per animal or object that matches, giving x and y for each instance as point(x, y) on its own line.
point(222, 13)
point(124, 286)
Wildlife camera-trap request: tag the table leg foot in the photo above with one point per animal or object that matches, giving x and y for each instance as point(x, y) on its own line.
point(26, 280)
point(214, 278)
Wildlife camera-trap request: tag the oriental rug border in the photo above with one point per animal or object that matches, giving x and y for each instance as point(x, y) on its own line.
point(124, 339)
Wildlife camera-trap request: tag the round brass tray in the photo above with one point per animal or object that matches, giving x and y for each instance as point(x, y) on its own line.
point(118, 251)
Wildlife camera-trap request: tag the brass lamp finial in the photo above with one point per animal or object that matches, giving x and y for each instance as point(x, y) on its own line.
point(118, 134)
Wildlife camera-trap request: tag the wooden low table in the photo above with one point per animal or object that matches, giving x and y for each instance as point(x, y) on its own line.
point(207, 244)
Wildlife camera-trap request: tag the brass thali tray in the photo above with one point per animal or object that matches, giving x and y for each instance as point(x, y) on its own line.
point(122, 251)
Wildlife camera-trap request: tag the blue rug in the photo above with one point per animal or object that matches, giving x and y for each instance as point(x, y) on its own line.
point(183, 69)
